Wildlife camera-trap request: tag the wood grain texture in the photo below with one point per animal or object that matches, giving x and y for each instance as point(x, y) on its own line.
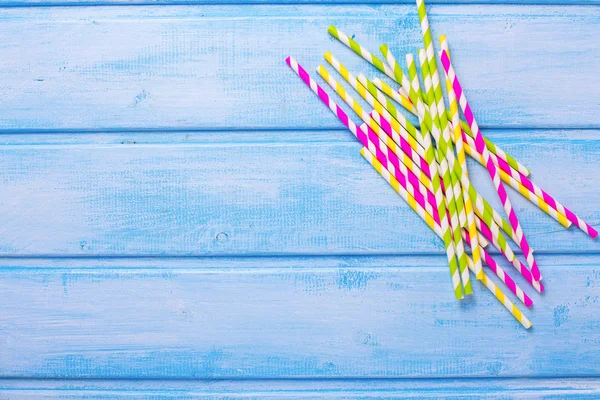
point(273, 194)
point(305, 389)
point(287, 317)
point(222, 67)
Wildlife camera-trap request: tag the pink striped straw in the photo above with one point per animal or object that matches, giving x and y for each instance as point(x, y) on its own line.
point(364, 138)
point(539, 192)
point(504, 277)
point(523, 270)
point(387, 128)
point(491, 167)
point(396, 162)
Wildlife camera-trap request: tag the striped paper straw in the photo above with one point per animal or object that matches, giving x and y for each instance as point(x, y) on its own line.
point(452, 190)
point(518, 186)
point(405, 82)
point(365, 54)
point(377, 136)
point(504, 277)
point(391, 93)
point(501, 297)
point(493, 234)
point(386, 124)
point(489, 284)
point(482, 149)
point(391, 108)
point(401, 126)
point(497, 151)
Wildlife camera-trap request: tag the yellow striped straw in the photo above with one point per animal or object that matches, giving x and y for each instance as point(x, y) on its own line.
point(518, 186)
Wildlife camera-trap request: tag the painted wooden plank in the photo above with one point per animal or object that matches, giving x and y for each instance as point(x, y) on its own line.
point(311, 317)
point(305, 389)
point(280, 192)
point(214, 67)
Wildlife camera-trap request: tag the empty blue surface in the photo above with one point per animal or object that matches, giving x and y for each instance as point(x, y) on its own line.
point(182, 218)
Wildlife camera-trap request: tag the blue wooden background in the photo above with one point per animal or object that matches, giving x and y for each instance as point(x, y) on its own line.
point(180, 217)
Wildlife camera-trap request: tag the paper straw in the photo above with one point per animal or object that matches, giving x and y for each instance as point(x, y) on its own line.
point(503, 276)
point(391, 108)
point(404, 152)
point(415, 96)
point(376, 136)
point(497, 151)
point(501, 297)
point(439, 111)
point(365, 54)
point(400, 125)
point(493, 234)
point(528, 194)
point(482, 149)
point(452, 189)
point(462, 161)
point(391, 93)
point(489, 284)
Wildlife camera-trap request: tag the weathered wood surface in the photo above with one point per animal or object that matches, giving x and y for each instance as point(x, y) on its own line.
point(177, 204)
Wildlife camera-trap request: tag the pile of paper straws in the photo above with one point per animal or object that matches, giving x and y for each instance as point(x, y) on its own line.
point(431, 174)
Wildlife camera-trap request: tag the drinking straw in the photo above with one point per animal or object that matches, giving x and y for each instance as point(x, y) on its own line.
point(503, 276)
point(526, 192)
point(497, 151)
point(482, 149)
point(438, 112)
point(441, 207)
point(489, 284)
point(399, 123)
point(509, 305)
point(414, 96)
point(390, 107)
point(387, 124)
point(404, 152)
point(443, 156)
point(450, 225)
point(523, 270)
point(462, 161)
point(365, 54)
point(377, 136)
point(493, 234)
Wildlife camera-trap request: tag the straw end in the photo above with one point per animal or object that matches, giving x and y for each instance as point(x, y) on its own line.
point(384, 48)
point(288, 60)
point(528, 302)
point(332, 30)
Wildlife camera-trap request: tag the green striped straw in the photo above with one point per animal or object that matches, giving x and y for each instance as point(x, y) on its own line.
point(376, 62)
point(445, 172)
